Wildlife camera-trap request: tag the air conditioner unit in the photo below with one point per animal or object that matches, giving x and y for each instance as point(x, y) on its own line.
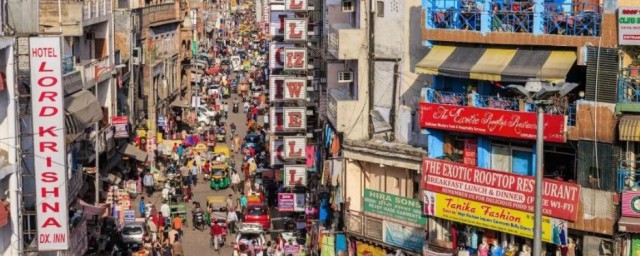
point(136, 56)
point(90, 35)
point(348, 6)
point(345, 77)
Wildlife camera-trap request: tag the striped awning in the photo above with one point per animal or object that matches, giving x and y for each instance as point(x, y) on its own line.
point(629, 128)
point(497, 64)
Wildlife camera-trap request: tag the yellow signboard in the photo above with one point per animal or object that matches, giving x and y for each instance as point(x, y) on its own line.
point(492, 217)
point(201, 147)
point(363, 249)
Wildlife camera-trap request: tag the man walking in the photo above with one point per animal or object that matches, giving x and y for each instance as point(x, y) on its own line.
point(148, 183)
point(142, 208)
point(235, 182)
point(194, 174)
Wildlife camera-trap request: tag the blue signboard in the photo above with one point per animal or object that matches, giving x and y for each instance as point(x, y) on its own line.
point(129, 216)
point(406, 237)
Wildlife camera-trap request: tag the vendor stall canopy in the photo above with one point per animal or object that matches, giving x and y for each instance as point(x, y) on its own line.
point(83, 110)
point(132, 151)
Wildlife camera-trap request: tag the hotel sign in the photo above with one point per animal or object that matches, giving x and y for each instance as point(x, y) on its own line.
point(294, 147)
point(287, 88)
point(560, 199)
point(295, 118)
point(295, 175)
point(295, 59)
point(295, 5)
point(494, 122)
point(276, 119)
point(277, 22)
point(295, 29)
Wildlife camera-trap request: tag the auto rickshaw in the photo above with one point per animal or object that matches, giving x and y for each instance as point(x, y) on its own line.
point(222, 149)
point(219, 176)
point(179, 210)
point(216, 209)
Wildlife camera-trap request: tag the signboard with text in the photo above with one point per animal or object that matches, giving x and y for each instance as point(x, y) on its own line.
point(48, 115)
point(277, 148)
point(631, 204)
point(120, 126)
point(492, 217)
point(276, 120)
point(629, 25)
point(295, 5)
point(560, 199)
point(276, 54)
point(295, 118)
point(276, 88)
point(276, 22)
point(295, 59)
point(295, 175)
point(409, 238)
point(295, 88)
point(295, 29)
point(392, 206)
point(286, 202)
point(494, 122)
point(294, 147)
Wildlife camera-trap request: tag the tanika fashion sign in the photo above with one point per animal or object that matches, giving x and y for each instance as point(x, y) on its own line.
point(47, 99)
point(560, 199)
point(494, 122)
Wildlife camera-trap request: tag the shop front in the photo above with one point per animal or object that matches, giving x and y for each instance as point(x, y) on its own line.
point(629, 222)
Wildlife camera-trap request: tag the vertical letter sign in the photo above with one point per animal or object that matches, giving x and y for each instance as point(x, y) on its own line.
point(277, 54)
point(295, 118)
point(295, 5)
point(294, 147)
point(295, 89)
point(295, 175)
point(48, 143)
point(295, 59)
point(295, 29)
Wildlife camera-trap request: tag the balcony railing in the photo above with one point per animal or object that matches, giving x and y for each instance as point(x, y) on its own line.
point(571, 19)
point(94, 69)
point(628, 176)
point(629, 85)
point(560, 106)
point(94, 9)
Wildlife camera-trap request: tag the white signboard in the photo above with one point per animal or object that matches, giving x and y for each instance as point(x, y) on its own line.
point(236, 63)
point(276, 120)
point(49, 143)
point(295, 175)
point(628, 25)
point(295, 29)
point(295, 5)
point(294, 147)
point(276, 22)
point(295, 118)
point(276, 54)
point(295, 59)
point(276, 146)
point(276, 91)
point(295, 89)
point(276, 1)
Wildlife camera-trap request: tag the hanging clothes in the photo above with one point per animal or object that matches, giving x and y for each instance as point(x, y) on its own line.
point(335, 146)
point(310, 155)
point(328, 245)
point(341, 244)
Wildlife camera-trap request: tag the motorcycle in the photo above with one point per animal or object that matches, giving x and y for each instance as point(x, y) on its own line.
point(198, 220)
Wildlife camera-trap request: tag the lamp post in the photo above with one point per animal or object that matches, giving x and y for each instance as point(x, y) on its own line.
point(538, 92)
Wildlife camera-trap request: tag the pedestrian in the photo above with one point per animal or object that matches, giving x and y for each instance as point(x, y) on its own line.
point(142, 208)
point(229, 203)
point(180, 151)
point(194, 175)
point(167, 250)
point(235, 182)
point(177, 224)
point(165, 210)
point(243, 201)
point(157, 249)
point(254, 113)
point(148, 183)
point(177, 246)
point(232, 218)
point(153, 230)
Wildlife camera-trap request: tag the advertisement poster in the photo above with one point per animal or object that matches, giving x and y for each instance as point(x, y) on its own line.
point(286, 202)
point(494, 122)
point(560, 199)
point(492, 217)
point(469, 154)
point(300, 202)
point(363, 249)
point(409, 238)
point(631, 204)
point(392, 206)
point(291, 249)
point(120, 126)
point(628, 25)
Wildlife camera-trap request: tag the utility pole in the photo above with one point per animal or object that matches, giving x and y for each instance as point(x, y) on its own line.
point(371, 62)
point(96, 127)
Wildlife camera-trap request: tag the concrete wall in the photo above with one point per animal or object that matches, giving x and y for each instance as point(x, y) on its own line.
point(71, 17)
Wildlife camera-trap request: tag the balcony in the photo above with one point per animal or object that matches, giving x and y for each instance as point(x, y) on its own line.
point(629, 90)
point(339, 101)
point(562, 107)
point(344, 42)
point(516, 22)
point(94, 71)
point(159, 13)
point(95, 11)
point(628, 176)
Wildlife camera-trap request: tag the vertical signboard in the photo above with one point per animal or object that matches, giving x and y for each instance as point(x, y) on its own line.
point(295, 29)
point(295, 175)
point(277, 148)
point(294, 147)
point(276, 119)
point(276, 90)
point(295, 88)
point(276, 22)
point(277, 54)
point(295, 118)
point(295, 5)
point(295, 59)
point(49, 143)
point(629, 25)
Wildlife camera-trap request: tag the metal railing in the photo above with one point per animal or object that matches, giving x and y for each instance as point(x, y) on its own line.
point(455, 18)
point(629, 85)
point(572, 19)
point(512, 17)
point(628, 176)
point(95, 68)
point(95, 8)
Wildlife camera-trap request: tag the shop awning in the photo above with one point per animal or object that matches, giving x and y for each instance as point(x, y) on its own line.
point(629, 225)
point(83, 110)
point(497, 64)
point(132, 151)
point(179, 103)
point(629, 128)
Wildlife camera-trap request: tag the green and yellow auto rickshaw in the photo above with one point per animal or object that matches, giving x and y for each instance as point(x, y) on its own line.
point(179, 210)
point(219, 176)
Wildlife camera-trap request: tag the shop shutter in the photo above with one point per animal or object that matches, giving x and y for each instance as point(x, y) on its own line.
point(607, 75)
point(604, 175)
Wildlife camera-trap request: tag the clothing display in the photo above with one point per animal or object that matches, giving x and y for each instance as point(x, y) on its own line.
point(310, 155)
point(341, 243)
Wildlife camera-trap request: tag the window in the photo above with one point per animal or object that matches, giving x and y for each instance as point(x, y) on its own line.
point(380, 8)
point(439, 230)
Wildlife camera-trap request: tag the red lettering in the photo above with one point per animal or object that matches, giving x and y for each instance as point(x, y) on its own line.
point(48, 95)
point(42, 67)
point(49, 145)
point(281, 18)
point(49, 161)
point(296, 6)
point(52, 111)
point(292, 31)
point(279, 154)
point(49, 177)
point(51, 222)
point(292, 177)
point(279, 121)
point(295, 119)
point(55, 192)
point(42, 131)
point(629, 11)
point(55, 207)
point(299, 57)
point(279, 59)
point(279, 89)
point(292, 151)
point(294, 89)
point(51, 81)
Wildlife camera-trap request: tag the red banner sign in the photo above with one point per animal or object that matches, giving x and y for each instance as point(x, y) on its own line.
point(486, 121)
point(560, 199)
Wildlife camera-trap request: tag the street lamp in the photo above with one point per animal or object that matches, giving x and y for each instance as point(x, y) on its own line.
point(538, 93)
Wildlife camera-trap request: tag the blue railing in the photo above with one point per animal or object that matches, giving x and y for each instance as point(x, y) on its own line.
point(500, 102)
point(67, 65)
point(628, 177)
point(571, 19)
point(629, 86)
